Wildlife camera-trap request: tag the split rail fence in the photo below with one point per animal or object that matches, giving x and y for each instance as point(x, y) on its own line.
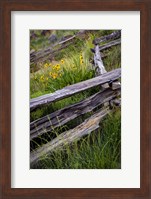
point(103, 101)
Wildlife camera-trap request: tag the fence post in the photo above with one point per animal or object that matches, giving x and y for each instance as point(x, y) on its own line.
point(98, 64)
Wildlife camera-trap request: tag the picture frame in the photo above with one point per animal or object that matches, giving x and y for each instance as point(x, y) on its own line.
point(5, 48)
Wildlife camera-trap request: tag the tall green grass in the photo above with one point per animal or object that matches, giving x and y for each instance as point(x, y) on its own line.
point(99, 150)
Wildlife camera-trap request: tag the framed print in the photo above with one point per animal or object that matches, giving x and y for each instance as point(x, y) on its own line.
point(75, 116)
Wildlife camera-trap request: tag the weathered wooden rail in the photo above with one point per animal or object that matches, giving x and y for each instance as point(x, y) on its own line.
point(68, 137)
point(114, 35)
point(103, 101)
point(74, 89)
point(50, 52)
point(59, 118)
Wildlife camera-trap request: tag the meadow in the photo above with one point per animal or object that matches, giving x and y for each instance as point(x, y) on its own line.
point(102, 148)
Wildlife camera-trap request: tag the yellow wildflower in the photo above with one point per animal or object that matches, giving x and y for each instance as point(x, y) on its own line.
point(57, 67)
point(81, 57)
point(62, 61)
point(42, 78)
point(81, 62)
point(53, 67)
point(54, 75)
point(46, 65)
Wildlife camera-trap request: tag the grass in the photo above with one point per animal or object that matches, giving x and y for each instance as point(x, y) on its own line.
point(56, 75)
point(113, 58)
point(99, 150)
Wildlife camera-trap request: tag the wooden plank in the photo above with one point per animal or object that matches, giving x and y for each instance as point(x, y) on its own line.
point(49, 52)
point(99, 66)
point(64, 41)
point(74, 89)
point(110, 44)
point(115, 85)
point(115, 102)
point(68, 137)
point(61, 117)
point(114, 35)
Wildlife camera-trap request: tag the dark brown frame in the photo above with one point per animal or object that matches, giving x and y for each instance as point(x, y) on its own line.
point(6, 6)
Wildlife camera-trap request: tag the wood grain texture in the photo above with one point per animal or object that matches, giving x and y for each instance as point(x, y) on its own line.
point(99, 66)
point(114, 35)
point(46, 54)
point(51, 51)
point(74, 89)
point(6, 6)
point(68, 137)
point(110, 44)
point(61, 117)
